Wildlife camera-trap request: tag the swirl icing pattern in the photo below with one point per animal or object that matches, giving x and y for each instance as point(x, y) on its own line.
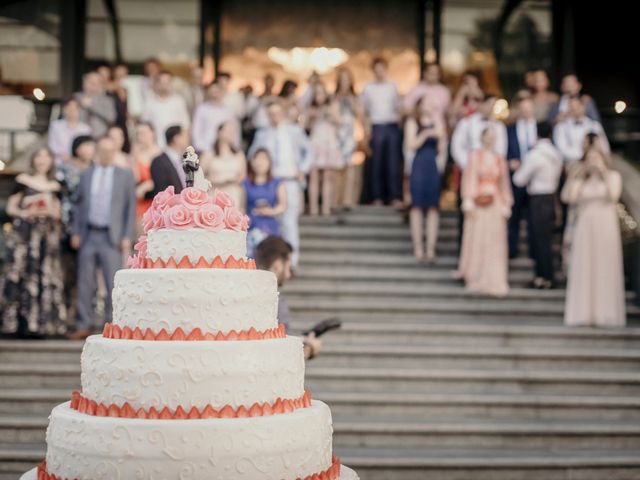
point(195, 243)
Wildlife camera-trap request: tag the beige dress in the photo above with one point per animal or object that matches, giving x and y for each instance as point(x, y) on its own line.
point(484, 256)
point(595, 283)
point(226, 173)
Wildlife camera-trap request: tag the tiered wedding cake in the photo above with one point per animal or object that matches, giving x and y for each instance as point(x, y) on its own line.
point(193, 379)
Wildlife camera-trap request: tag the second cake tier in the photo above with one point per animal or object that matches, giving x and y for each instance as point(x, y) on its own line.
point(214, 300)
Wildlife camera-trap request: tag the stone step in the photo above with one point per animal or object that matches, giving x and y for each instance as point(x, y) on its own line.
point(372, 379)
point(24, 352)
point(461, 406)
point(504, 463)
point(372, 245)
point(477, 357)
point(326, 272)
point(393, 260)
point(336, 288)
point(365, 332)
point(374, 432)
point(16, 459)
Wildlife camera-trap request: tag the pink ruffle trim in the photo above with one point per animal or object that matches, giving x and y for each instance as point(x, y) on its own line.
point(135, 261)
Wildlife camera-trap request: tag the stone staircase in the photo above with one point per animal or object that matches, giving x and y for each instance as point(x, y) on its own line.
point(424, 380)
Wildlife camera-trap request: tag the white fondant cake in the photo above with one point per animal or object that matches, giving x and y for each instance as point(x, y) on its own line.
point(195, 243)
point(207, 405)
point(209, 298)
point(158, 374)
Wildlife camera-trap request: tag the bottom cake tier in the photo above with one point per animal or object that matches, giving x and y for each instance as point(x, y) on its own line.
point(286, 446)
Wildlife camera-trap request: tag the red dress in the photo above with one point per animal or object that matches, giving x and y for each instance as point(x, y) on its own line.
point(144, 174)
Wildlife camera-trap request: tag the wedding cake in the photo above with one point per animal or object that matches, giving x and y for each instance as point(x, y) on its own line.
point(194, 379)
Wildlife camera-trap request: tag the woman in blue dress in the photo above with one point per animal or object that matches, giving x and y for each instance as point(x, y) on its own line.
point(266, 198)
point(425, 134)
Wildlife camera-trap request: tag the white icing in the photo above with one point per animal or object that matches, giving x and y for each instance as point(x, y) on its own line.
point(191, 373)
point(168, 243)
point(213, 299)
point(285, 446)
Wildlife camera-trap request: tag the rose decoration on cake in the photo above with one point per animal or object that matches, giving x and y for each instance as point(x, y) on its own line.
point(210, 217)
point(193, 198)
point(233, 219)
point(141, 246)
point(194, 208)
point(178, 217)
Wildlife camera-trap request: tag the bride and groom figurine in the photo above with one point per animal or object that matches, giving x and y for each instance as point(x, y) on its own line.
point(193, 173)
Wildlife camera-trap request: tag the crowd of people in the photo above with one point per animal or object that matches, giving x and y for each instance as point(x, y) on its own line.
point(279, 155)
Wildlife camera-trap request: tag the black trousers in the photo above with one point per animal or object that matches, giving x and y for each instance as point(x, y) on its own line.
point(541, 221)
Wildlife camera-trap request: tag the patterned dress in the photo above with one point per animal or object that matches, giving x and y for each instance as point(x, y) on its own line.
point(31, 284)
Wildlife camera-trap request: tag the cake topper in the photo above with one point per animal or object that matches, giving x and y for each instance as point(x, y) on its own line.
point(193, 173)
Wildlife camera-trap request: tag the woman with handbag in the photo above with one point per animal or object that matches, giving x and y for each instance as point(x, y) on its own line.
point(31, 285)
point(486, 203)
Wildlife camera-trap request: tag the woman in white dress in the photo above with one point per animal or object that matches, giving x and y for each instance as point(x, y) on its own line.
point(595, 283)
point(226, 166)
point(350, 109)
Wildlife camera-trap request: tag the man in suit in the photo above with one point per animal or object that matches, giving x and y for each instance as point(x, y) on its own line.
point(291, 152)
point(166, 168)
point(572, 87)
point(521, 137)
point(103, 229)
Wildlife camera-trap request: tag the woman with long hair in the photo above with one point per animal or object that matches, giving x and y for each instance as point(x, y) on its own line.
point(595, 281)
point(226, 166)
point(425, 135)
point(143, 151)
point(323, 120)
point(486, 202)
point(32, 288)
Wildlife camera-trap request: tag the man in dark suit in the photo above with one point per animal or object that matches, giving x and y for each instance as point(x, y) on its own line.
point(103, 229)
point(521, 137)
point(166, 168)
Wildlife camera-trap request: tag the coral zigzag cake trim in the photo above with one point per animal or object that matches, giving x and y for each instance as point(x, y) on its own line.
point(116, 332)
point(231, 262)
point(90, 407)
point(332, 473)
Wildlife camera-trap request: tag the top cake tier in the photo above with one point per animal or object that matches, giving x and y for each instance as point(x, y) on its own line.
point(193, 224)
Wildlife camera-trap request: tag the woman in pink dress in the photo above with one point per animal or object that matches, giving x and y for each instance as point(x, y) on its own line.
point(486, 202)
point(595, 282)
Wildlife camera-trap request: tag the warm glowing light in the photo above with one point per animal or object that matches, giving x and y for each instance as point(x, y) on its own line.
point(307, 60)
point(620, 106)
point(2, 165)
point(39, 94)
point(501, 109)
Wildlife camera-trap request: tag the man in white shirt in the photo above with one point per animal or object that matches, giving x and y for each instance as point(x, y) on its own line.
point(208, 118)
point(165, 108)
point(569, 134)
point(540, 173)
point(468, 132)
point(193, 91)
point(381, 104)
point(521, 136)
point(291, 153)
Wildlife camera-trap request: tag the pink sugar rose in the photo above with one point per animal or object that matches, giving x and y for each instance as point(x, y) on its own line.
point(193, 198)
point(161, 200)
point(141, 246)
point(178, 217)
point(233, 219)
point(133, 261)
point(210, 217)
point(222, 199)
point(152, 219)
